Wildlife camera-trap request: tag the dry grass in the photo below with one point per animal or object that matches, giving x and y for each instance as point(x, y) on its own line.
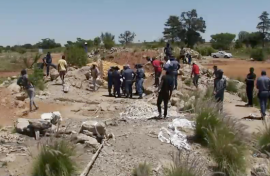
point(264, 138)
point(142, 169)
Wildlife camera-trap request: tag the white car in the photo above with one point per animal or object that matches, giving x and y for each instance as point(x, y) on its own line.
point(221, 54)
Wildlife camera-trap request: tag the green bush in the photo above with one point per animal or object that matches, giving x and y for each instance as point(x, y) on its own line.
point(36, 78)
point(55, 159)
point(264, 139)
point(188, 82)
point(143, 169)
point(258, 54)
point(205, 51)
point(231, 86)
point(227, 150)
point(185, 165)
point(76, 56)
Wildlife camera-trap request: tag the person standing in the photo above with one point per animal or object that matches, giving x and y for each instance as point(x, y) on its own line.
point(157, 64)
point(128, 76)
point(116, 82)
point(219, 89)
point(262, 85)
point(182, 55)
point(62, 68)
point(165, 92)
point(215, 73)
point(123, 83)
point(110, 81)
point(175, 66)
point(251, 77)
point(168, 50)
point(28, 86)
point(189, 58)
point(48, 62)
point(196, 73)
point(94, 73)
point(139, 80)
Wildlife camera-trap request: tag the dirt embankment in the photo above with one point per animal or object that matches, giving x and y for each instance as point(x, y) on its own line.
point(235, 68)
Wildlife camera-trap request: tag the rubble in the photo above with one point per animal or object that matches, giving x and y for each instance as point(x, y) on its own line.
point(97, 128)
point(54, 74)
point(14, 88)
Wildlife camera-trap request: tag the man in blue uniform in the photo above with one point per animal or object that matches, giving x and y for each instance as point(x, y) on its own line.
point(48, 62)
point(110, 81)
point(128, 76)
point(139, 80)
point(175, 66)
point(116, 82)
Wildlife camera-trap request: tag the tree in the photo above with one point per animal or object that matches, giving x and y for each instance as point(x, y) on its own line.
point(27, 46)
point(48, 44)
point(222, 40)
point(238, 44)
point(97, 41)
point(255, 39)
point(108, 40)
point(192, 27)
point(173, 28)
point(264, 26)
point(243, 37)
point(127, 37)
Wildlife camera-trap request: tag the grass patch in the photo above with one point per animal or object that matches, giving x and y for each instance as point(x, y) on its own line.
point(55, 159)
point(188, 82)
point(264, 139)
point(142, 169)
point(185, 165)
point(231, 86)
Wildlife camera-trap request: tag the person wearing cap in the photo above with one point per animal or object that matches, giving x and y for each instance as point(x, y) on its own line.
point(128, 76)
point(250, 79)
point(196, 73)
point(219, 89)
point(165, 92)
point(157, 64)
point(48, 62)
point(168, 50)
point(94, 73)
point(110, 80)
point(62, 68)
point(116, 82)
point(139, 80)
point(262, 85)
point(24, 82)
point(175, 66)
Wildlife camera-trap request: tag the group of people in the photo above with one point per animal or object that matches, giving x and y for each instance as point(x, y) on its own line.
point(124, 80)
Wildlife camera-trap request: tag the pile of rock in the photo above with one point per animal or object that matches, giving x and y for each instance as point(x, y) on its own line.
point(9, 81)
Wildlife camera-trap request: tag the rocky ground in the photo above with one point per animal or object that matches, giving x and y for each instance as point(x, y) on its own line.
point(136, 132)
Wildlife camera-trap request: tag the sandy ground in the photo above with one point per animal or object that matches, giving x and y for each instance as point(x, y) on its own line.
point(236, 68)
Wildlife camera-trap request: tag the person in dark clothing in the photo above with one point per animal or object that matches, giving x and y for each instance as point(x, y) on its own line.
point(168, 50)
point(24, 82)
point(116, 82)
point(48, 62)
point(175, 66)
point(128, 76)
point(165, 93)
point(182, 55)
point(251, 77)
point(123, 84)
point(139, 80)
point(219, 89)
point(263, 84)
point(110, 81)
point(215, 73)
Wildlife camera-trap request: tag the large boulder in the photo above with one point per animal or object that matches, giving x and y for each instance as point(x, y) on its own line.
point(149, 90)
point(81, 138)
point(21, 96)
point(174, 101)
point(97, 128)
point(14, 88)
point(54, 74)
point(39, 124)
point(21, 125)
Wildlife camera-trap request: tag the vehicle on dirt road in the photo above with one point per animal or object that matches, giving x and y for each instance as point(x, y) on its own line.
point(221, 54)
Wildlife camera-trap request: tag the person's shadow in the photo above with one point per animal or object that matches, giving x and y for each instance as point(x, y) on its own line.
point(252, 118)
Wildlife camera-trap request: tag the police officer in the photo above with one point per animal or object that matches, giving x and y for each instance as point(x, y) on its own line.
point(128, 76)
point(123, 82)
point(110, 81)
point(175, 66)
point(139, 80)
point(116, 82)
point(251, 77)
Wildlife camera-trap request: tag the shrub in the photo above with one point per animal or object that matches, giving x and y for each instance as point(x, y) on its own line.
point(207, 118)
point(227, 150)
point(143, 169)
point(186, 165)
point(264, 139)
point(209, 93)
point(36, 78)
point(55, 159)
point(231, 86)
point(188, 82)
point(258, 54)
point(76, 56)
point(205, 51)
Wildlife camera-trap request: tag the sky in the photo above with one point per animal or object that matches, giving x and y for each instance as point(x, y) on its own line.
point(29, 21)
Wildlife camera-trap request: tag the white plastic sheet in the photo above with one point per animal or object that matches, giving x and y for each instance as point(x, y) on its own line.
point(174, 136)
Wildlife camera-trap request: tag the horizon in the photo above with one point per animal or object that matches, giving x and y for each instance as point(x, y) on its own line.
point(30, 21)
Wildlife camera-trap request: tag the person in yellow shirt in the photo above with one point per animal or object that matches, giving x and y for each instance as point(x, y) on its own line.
point(62, 68)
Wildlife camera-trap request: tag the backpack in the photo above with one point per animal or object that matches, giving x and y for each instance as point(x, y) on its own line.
point(22, 81)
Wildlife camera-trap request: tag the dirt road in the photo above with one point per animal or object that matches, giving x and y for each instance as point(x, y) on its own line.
point(235, 68)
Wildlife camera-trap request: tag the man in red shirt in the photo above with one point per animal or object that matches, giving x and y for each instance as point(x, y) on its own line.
point(157, 64)
point(196, 73)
